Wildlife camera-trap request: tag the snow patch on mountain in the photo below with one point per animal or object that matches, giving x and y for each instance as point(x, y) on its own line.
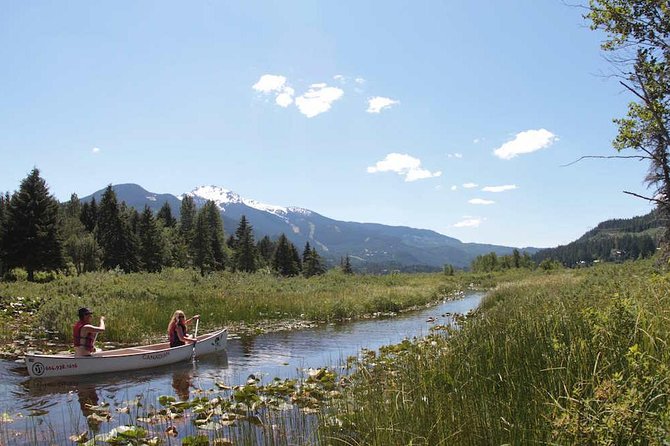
point(222, 196)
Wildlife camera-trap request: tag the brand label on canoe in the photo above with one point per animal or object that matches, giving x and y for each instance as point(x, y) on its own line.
point(155, 355)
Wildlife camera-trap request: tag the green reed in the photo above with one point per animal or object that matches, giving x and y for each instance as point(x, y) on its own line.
point(139, 306)
point(576, 357)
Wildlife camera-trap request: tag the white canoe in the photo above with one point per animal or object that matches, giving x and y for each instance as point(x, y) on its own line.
point(131, 358)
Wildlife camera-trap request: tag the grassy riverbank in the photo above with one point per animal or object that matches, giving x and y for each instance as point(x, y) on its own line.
point(138, 306)
point(576, 357)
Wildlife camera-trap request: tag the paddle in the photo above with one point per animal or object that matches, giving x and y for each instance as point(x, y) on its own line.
point(195, 337)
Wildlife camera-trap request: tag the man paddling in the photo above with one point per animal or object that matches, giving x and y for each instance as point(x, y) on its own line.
point(84, 333)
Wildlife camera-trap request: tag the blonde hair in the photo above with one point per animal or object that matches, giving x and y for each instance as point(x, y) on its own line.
point(175, 319)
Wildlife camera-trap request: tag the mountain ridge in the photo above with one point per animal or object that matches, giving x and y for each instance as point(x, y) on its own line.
point(371, 246)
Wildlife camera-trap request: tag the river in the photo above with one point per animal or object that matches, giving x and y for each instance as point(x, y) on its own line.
point(30, 407)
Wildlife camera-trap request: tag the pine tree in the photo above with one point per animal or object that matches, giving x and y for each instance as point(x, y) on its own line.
point(345, 264)
point(187, 213)
point(244, 254)
point(31, 239)
point(217, 236)
point(151, 242)
point(311, 262)
point(306, 253)
point(4, 204)
point(89, 215)
point(265, 249)
point(201, 244)
point(115, 236)
point(165, 215)
point(285, 256)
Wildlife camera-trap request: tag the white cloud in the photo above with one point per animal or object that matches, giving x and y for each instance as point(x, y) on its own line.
point(285, 98)
point(454, 187)
point(359, 80)
point(275, 84)
point(525, 142)
point(480, 201)
point(477, 140)
point(454, 155)
point(379, 103)
point(499, 188)
point(95, 150)
point(470, 185)
point(340, 78)
point(468, 222)
point(269, 83)
point(403, 164)
point(318, 99)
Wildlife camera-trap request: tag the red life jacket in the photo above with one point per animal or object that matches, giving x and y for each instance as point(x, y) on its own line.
point(174, 337)
point(78, 341)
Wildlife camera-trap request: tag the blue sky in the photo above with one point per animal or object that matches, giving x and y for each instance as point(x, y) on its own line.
point(453, 116)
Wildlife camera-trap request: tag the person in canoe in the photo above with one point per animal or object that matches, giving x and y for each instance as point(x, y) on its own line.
point(177, 329)
point(84, 333)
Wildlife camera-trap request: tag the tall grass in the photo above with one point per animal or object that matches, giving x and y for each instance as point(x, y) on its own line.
point(577, 357)
point(139, 306)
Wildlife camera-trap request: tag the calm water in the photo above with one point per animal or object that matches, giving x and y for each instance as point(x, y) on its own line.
point(59, 406)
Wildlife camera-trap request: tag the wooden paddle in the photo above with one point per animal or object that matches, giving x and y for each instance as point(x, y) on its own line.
point(195, 337)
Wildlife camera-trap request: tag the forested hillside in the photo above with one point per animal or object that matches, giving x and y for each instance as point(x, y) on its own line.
point(611, 240)
point(38, 234)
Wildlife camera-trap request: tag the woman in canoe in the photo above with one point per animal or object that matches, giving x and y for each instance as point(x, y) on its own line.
point(177, 329)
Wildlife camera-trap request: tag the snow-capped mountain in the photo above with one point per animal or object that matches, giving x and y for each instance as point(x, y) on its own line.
point(224, 197)
point(371, 246)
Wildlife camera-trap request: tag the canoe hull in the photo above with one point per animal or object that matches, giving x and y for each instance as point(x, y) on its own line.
point(132, 358)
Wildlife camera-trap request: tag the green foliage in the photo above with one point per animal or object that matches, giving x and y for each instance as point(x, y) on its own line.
point(638, 31)
point(151, 242)
point(244, 248)
point(115, 235)
point(201, 245)
point(569, 357)
point(312, 264)
point(138, 305)
point(345, 265)
point(165, 216)
point(285, 260)
point(31, 237)
point(492, 262)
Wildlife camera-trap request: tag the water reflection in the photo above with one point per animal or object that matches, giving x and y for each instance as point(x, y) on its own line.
point(88, 396)
point(181, 383)
point(283, 354)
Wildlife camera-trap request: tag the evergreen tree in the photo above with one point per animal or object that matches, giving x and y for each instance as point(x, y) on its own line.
point(201, 244)
point(4, 204)
point(187, 214)
point(151, 242)
point(244, 253)
point(115, 236)
point(165, 215)
point(311, 262)
point(265, 249)
point(217, 236)
point(89, 215)
point(345, 264)
point(285, 256)
point(306, 253)
point(31, 239)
